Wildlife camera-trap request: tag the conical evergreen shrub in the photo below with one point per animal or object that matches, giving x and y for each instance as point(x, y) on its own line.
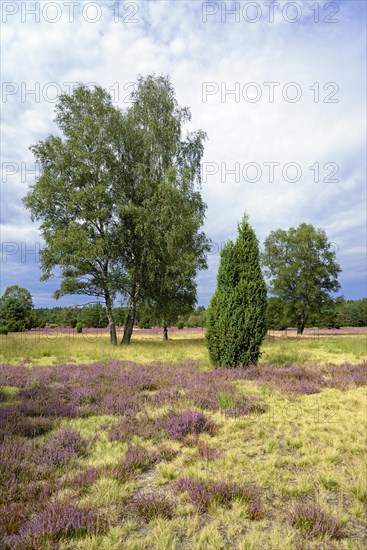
point(236, 317)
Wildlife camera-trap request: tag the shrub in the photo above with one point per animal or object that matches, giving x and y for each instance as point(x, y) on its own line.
point(149, 505)
point(309, 517)
point(202, 495)
point(236, 317)
point(137, 459)
point(16, 326)
point(82, 480)
point(50, 408)
point(3, 329)
point(250, 406)
point(62, 519)
point(199, 493)
point(188, 423)
point(31, 427)
point(293, 379)
point(164, 452)
point(145, 427)
point(12, 516)
point(14, 375)
point(207, 453)
point(63, 446)
point(79, 328)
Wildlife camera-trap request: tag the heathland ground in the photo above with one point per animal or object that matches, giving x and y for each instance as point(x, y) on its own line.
point(147, 446)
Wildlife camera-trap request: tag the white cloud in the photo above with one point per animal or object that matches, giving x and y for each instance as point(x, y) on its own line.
point(170, 37)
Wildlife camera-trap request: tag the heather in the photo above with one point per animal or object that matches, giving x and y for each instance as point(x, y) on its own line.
point(150, 505)
point(58, 519)
point(123, 454)
point(65, 445)
point(187, 423)
point(203, 494)
point(313, 521)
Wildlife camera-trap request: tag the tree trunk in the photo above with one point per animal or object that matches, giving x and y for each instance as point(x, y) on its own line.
point(128, 327)
point(300, 329)
point(130, 319)
point(111, 322)
point(165, 333)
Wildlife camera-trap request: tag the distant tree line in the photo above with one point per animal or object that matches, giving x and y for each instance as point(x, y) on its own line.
point(18, 314)
point(90, 316)
point(340, 313)
point(94, 316)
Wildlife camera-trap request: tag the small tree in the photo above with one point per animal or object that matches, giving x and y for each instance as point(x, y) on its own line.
point(302, 270)
point(15, 308)
point(236, 317)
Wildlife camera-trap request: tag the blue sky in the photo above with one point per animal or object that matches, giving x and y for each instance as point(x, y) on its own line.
point(276, 87)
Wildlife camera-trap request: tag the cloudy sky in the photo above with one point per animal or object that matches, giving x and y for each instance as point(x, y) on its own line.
point(278, 87)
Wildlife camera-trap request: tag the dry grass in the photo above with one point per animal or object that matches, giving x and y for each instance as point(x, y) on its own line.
point(83, 348)
point(309, 448)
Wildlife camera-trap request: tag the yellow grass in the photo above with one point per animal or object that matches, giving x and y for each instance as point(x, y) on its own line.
point(312, 446)
point(81, 348)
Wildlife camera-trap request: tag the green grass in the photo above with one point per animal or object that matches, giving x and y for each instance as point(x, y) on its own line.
point(60, 349)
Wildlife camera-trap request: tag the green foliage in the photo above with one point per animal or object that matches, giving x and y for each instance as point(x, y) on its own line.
point(17, 326)
point(332, 314)
point(3, 329)
point(120, 314)
point(93, 316)
point(52, 315)
point(326, 317)
point(89, 315)
point(72, 197)
point(351, 313)
point(144, 318)
point(182, 253)
point(192, 319)
point(68, 317)
point(79, 328)
point(197, 318)
point(276, 317)
point(236, 323)
point(119, 211)
point(302, 270)
point(161, 209)
point(15, 308)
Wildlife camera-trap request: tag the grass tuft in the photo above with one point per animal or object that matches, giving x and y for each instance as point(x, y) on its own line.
point(313, 521)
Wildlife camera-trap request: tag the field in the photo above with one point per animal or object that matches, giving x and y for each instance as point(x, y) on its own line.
point(148, 447)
